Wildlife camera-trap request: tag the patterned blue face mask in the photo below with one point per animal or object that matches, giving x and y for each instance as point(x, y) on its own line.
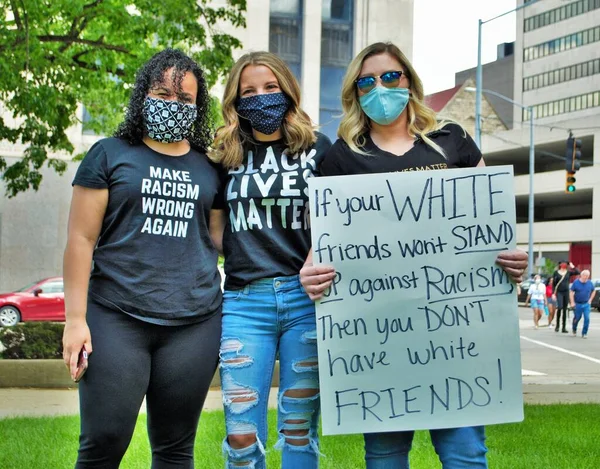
point(168, 121)
point(384, 105)
point(264, 111)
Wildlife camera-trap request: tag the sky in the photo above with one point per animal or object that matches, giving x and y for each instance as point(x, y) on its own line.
point(445, 37)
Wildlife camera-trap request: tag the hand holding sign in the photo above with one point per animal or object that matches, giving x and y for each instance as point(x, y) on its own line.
point(316, 279)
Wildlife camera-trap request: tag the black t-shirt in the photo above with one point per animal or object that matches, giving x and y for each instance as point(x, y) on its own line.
point(268, 228)
point(460, 149)
point(561, 285)
point(154, 259)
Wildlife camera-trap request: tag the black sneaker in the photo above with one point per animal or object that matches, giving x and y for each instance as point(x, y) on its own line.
point(564, 331)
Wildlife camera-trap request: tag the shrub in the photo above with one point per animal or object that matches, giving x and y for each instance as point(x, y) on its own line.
point(32, 340)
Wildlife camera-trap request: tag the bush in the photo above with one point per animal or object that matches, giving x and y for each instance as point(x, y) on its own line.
point(32, 340)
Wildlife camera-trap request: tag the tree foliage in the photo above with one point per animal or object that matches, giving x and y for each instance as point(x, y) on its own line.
point(56, 54)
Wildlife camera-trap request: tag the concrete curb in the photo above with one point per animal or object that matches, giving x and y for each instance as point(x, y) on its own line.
point(52, 374)
point(34, 373)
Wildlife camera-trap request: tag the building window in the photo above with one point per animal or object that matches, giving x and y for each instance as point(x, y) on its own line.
point(572, 72)
point(566, 105)
point(561, 44)
point(285, 33)
point(559, 14)
point(336, 53)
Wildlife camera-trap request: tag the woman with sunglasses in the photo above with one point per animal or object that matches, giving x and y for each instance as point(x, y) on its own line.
point(269, 148)
point(386, 127)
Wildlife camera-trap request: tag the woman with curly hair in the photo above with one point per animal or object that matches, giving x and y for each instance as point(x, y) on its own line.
point(386, 127)
point(270, 149)
point(148, 317)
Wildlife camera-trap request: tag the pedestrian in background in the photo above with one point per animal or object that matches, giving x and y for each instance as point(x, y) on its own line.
point(581, 295)
point(550, 301)
point(561, 279)
point(536, 295)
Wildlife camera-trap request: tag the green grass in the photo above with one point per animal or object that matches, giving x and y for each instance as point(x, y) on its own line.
point(551, 437)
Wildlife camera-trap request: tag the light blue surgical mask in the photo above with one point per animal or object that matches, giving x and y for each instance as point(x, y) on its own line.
point(384, 105)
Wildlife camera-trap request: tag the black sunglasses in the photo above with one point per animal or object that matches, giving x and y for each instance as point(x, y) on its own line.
point(389, 79)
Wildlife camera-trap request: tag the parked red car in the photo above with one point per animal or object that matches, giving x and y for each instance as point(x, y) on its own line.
point(43, 300)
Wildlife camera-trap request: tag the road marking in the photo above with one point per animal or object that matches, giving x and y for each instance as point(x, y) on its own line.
point(531, 373)
point(560, 349)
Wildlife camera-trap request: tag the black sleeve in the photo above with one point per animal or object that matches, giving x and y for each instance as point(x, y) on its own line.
point(93, 170)
point(219, 200)
point(332, 164)
point(469, 154)
point(323, 144)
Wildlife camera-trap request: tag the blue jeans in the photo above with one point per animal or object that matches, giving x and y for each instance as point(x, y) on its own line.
point(582, 309)
point(457, 448)
point(267, 317)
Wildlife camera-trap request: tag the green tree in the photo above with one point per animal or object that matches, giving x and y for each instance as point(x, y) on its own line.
point(55, 54)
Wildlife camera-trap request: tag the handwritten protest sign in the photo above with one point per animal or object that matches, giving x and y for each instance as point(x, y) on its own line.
point(420, 328)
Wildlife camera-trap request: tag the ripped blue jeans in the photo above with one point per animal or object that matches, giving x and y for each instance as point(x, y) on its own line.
point(266, 319)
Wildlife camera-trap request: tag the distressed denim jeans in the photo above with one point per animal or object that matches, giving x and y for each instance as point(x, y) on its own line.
point(457, 448)
point(582, 309)
point(270, 318)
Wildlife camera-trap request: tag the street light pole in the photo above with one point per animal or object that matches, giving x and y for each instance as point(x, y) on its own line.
point(531, 194)
point(529, 109)
point(478, 80)
point(479, 70)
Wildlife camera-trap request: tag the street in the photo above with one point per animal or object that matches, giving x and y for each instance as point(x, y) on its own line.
point(558, 366)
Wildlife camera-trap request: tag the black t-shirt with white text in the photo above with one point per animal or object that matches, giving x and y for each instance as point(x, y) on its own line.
point(268, 228)
point(154, 259)
point(459, 147)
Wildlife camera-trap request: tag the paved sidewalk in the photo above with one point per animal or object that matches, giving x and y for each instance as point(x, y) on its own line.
point(37, 402)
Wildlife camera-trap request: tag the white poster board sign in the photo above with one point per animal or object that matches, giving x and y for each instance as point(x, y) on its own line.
point(420, 328)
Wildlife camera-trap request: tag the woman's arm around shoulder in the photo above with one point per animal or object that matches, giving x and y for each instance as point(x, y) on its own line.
point(323, 142)
point(333, 162)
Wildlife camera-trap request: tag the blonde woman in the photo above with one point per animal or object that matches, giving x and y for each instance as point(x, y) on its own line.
point(386, 127)
point(269, 149)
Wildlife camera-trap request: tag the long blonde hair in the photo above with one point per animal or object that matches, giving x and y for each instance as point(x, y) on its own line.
point(355, 123)
point(297, 128)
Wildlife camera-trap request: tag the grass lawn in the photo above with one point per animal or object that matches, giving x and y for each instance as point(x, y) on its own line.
point(551, 437)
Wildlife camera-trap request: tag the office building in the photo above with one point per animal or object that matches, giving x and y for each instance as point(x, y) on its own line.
point(557, 73)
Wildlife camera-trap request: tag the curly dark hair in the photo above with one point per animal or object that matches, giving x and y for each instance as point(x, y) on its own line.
point(151, 74)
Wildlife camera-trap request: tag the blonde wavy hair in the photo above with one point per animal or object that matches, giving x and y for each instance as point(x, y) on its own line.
point(355, 123)
point(297, 128)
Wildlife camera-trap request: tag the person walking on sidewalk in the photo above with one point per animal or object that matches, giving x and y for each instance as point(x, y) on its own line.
point(550, 301)
point(581, 295)
point(561, 292)
point(537, 295)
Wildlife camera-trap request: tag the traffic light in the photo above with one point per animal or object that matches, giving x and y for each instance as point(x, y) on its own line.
point(570, 182)
point(572, 164)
